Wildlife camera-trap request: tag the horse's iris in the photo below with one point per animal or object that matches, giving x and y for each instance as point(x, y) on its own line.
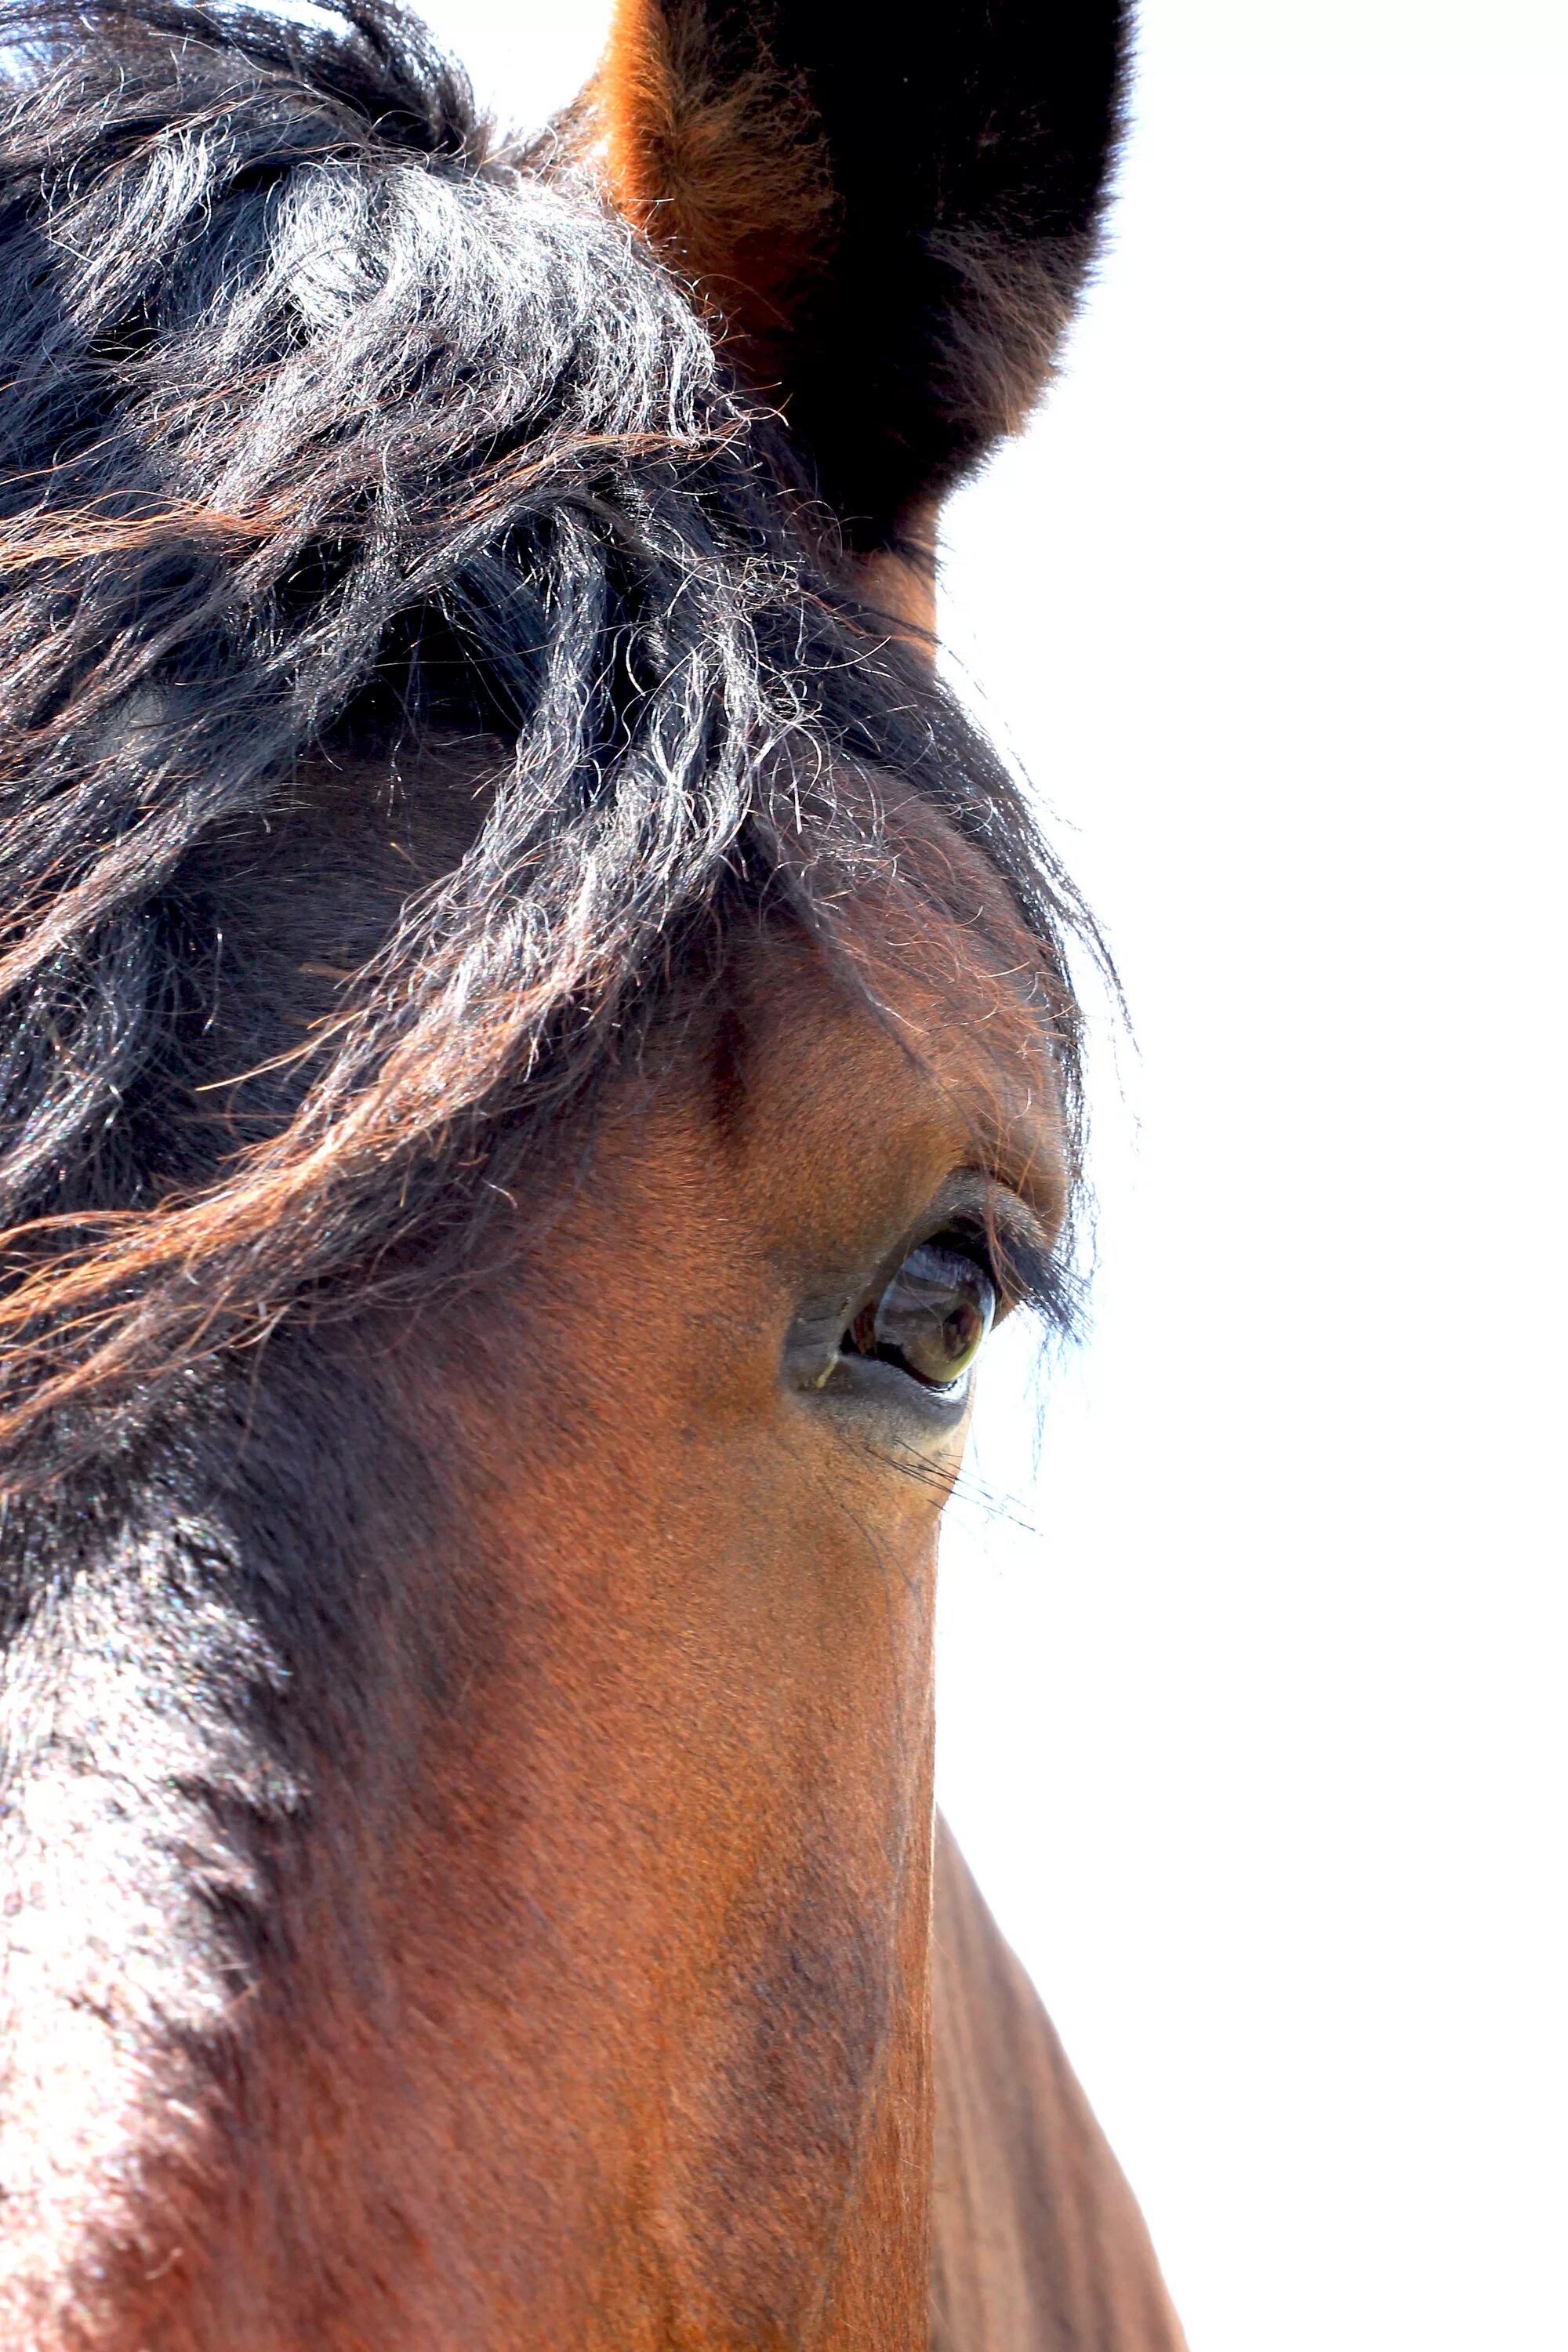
point(932, 1317)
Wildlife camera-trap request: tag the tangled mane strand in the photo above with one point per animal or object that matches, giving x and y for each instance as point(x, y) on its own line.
point(333, 431)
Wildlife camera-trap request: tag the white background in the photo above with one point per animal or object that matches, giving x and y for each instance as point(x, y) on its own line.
point(1251, 1687)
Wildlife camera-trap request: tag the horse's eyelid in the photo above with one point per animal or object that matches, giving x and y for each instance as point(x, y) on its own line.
point(1027, 1275)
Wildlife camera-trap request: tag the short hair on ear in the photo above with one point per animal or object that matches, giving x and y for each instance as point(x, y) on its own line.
point(890, 208)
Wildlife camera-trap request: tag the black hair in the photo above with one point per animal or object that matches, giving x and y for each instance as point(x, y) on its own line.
point(333, 430)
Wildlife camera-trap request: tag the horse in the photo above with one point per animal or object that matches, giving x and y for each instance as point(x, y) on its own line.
point(538, 1042)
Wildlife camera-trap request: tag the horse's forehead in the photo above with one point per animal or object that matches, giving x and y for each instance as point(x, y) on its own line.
point(935, 996)
point(934, 1049)
point(832, 1089)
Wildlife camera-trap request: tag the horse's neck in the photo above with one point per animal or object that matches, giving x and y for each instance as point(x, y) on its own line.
point(1037, 2245)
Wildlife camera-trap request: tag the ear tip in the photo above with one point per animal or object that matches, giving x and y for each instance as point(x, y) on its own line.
point(715, 151)
point(894, 209)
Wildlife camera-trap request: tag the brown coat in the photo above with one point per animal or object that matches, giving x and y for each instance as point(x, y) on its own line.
point(1038, 2245)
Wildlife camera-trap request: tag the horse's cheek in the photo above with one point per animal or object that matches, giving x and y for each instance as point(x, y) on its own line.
point(686, 1826)
point(802, 2118)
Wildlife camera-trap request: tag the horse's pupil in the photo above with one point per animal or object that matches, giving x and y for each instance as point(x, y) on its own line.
point(932, 1316)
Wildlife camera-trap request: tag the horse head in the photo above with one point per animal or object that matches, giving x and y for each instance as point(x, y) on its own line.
point(539, 1040)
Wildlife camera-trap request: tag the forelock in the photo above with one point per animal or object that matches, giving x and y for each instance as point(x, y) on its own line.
point(334, 430)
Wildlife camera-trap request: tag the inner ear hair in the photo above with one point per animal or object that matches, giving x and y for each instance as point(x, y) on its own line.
point(891, 209)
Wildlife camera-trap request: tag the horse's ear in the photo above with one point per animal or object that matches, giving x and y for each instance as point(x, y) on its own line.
point(891, 206)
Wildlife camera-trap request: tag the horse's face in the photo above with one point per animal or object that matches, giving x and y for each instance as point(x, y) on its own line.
point(671, 1918)
point(492, 1327)
point(650, 1921)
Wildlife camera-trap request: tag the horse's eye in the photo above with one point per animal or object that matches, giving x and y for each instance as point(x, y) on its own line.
point(931, 1320)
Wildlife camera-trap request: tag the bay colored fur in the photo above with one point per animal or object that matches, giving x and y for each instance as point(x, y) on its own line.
point(1037, 2244)
point(506, 949)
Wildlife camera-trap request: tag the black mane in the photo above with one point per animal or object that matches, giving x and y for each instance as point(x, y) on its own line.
point(416, 653)
point(330, 432)
point(333, 434)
